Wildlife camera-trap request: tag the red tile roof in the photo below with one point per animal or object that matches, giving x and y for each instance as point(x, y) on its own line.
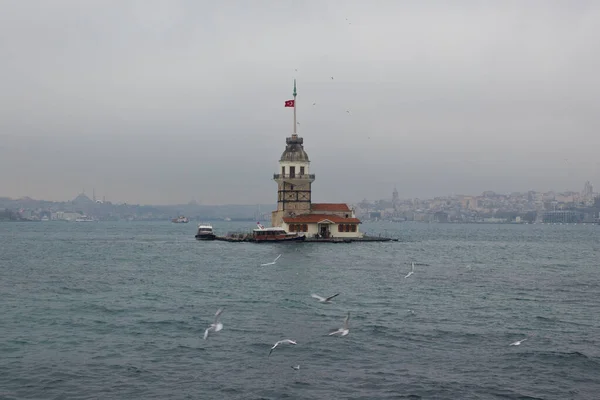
point(329, 207)
point(316, 218)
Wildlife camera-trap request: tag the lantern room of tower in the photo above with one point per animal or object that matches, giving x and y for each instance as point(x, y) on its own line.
point(294, 164)
point(293, 180)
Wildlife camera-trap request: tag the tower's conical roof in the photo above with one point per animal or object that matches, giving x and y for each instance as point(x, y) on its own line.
point(294, 150)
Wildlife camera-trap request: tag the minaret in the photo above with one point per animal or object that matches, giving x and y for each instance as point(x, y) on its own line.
point(294, 179)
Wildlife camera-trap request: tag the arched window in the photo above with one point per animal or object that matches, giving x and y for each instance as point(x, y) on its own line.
point(353, 227)
point(340, 228)
point(305, 228)
point(292, 228)
point(347, 228)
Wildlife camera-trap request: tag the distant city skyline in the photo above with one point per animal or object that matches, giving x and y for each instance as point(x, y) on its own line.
point(161, 102)
point(91, 194)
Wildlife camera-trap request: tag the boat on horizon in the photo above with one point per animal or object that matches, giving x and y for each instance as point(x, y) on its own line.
point(85, 218)
point(180, 220)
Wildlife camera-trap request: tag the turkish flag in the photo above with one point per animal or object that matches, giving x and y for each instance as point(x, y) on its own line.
point(289, 103)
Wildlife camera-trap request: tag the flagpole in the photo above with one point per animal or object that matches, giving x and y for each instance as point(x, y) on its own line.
point(295, 107)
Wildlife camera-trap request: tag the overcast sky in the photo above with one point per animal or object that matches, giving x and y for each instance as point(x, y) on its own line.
point(158, 102)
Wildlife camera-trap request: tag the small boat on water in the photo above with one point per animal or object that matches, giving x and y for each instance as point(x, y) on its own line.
point(85, 218)
point(275, 234)
point(180, 220)
point(262, 235)
point(205, 232)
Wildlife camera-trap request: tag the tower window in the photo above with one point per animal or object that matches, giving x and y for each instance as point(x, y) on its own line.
point(282, 170)
point(292, 172)
point(301, 170)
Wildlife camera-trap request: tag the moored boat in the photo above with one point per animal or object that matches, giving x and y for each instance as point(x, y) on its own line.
point(275, 234)
point(205, 232)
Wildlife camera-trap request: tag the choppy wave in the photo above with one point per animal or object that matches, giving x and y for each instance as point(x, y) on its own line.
point(92, 312)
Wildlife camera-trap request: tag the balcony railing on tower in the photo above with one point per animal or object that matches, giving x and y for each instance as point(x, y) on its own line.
point(293, 176)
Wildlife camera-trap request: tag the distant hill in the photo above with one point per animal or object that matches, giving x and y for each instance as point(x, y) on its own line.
point(110, 211)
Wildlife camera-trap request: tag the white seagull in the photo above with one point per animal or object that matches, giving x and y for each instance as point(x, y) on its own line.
point(344, 330)
point(412, 271)
point(271, 263)
point(324, 299)
point(518, 342)
point(288, 341)
point(297, 367)
point(215, 326)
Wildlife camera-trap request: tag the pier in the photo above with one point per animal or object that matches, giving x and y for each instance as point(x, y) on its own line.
point(248, 238)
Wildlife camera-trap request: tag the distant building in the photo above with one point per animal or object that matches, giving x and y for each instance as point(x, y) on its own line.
point(395, 199)
point(563, 216)
point(587, 195)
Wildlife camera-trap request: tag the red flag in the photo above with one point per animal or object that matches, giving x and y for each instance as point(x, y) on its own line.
point(289, 103)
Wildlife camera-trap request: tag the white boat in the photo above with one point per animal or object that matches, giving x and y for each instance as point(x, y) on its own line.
point(85, 218)
point(180, 220)
point(275, 234)
point(205, 232)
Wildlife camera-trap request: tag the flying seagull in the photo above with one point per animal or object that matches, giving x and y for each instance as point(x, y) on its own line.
point(324, 299)
point(412, 271)
point(215, 326)
point(297, 367)
point(344, 330)
point(271, 263)
point(288, 341)
point(518, 342)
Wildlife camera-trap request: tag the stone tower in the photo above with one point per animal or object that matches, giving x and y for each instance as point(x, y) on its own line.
point(294, 179)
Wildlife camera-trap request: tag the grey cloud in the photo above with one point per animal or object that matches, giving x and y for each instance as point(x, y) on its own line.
point(137, 98)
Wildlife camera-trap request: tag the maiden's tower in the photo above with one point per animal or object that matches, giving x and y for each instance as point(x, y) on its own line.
point(295, 210)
